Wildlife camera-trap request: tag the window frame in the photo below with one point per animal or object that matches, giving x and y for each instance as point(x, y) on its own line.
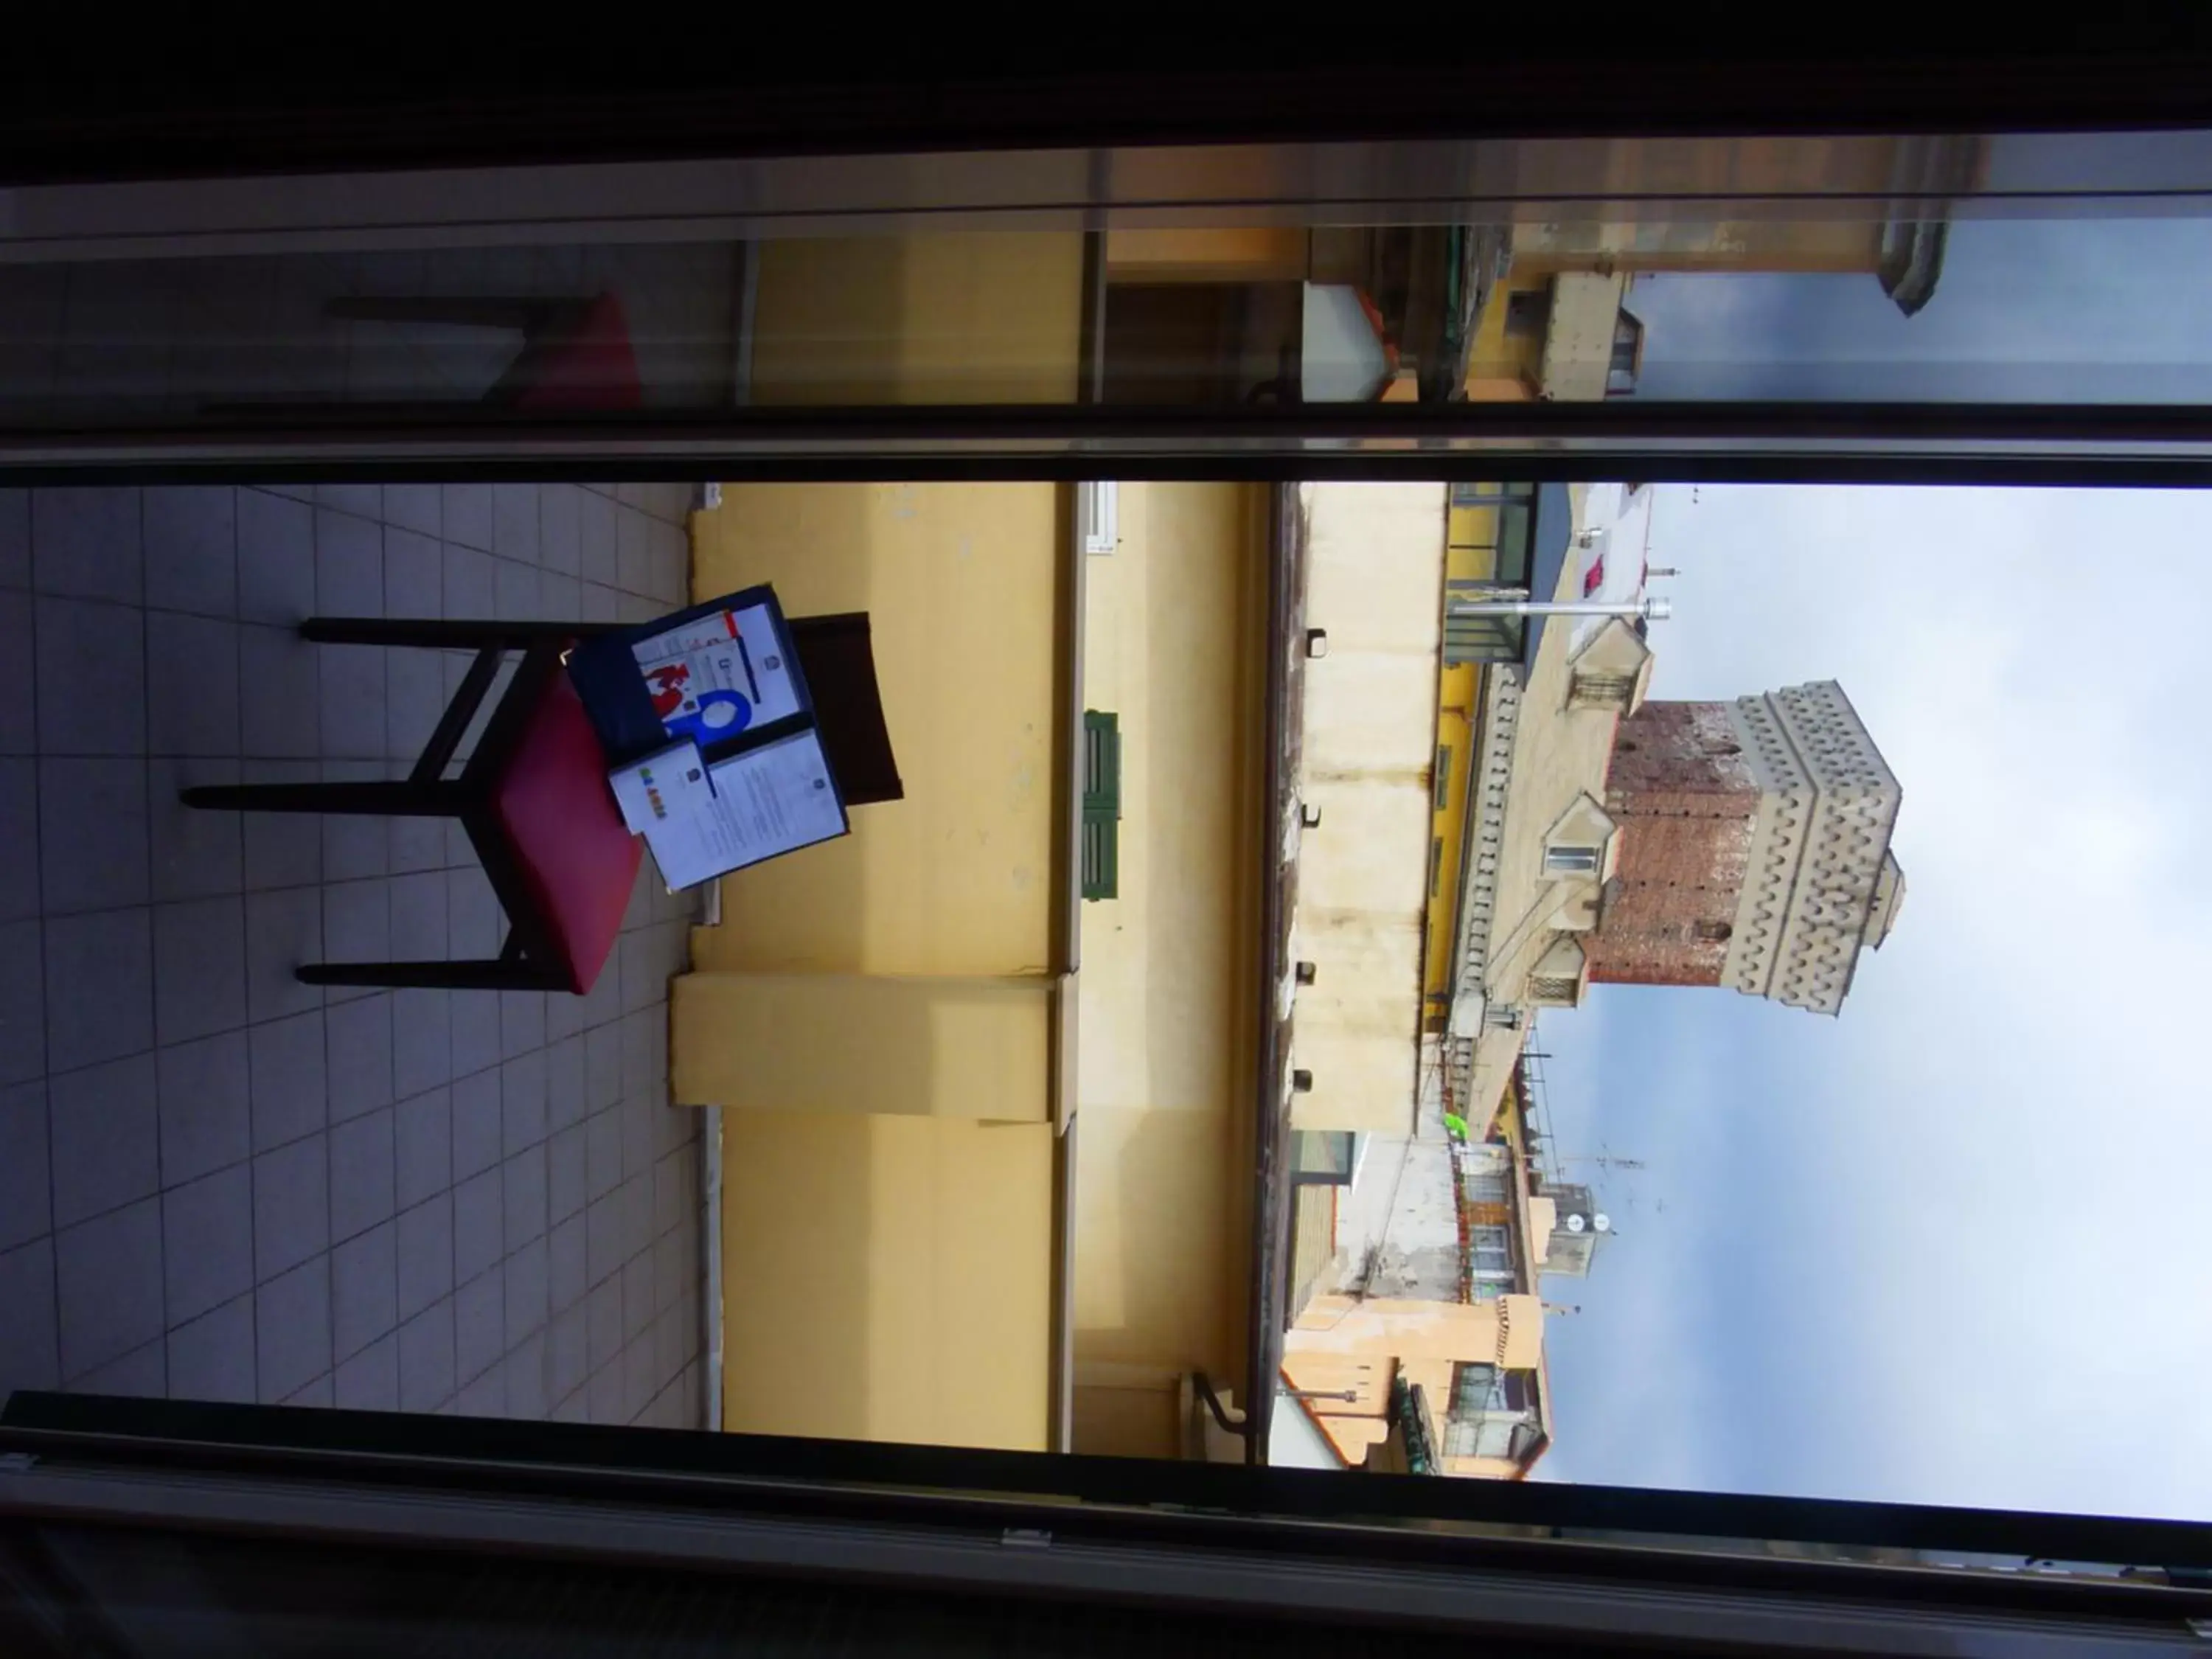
point(1571, 858)
point(2053, 445)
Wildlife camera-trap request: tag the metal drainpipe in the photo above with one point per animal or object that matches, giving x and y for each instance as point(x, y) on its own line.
point(710, 1177)
point(711, 1165)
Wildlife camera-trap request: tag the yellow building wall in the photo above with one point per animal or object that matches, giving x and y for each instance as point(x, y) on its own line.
point(1252, 253)
point(1129, 1419)
point(991, 317)
point(1174, 622)
point(887, 1277)
point(840, 1042)
point(1354, 1386)
point(1470, 555)
point(1507, 1331)
point(1484, 1469)
point(1834, 246)
point(1860, 165)
point(1354, 1438)
point(890, 1274)
point(964, 584)
point(1354, 1426)
point(1374, 558)
point(1502, 368)
point(1459, 689)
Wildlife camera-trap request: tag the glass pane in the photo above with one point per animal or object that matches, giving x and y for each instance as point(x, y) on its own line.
point(1884, 269)
point(1029, 1131)
point(982, 1168)
point(2001, 311)
point(1325, 1157)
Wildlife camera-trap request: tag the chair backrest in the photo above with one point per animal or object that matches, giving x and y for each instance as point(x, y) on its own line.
point(840, 665)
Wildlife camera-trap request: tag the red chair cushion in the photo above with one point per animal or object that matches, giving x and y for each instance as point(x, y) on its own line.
point(577, 857)
point(593, 368)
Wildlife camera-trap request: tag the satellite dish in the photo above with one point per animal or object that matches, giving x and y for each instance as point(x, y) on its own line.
point(1604, 1223)
point(1574, 1224)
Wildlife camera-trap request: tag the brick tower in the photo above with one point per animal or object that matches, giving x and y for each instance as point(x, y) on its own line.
point(1754, 848)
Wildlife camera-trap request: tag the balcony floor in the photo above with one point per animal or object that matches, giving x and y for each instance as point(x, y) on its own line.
point(217, 1182)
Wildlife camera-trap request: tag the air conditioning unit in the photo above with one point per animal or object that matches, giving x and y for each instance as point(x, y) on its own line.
point(1097, 517)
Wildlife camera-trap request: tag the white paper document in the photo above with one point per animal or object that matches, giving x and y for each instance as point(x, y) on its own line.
point(716, 676)
point(671, 784)
point(766, 801)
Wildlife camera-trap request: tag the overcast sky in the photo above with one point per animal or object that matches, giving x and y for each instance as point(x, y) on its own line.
point(1953, 1246)
point(2105, 310)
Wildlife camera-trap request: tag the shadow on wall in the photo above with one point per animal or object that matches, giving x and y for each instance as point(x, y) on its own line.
point(886, 1273)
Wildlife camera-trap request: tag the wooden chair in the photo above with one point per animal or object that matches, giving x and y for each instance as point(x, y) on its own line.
point(533, 795)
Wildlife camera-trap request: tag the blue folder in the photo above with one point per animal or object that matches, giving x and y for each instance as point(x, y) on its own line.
point(607, 679)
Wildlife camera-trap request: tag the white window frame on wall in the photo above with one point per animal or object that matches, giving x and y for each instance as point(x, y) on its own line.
point(1098, 516)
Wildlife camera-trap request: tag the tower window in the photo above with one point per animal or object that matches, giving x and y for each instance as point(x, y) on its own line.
point(1555, 990)
point(1714, 933)
point(1595, 689)
point(1570, 860)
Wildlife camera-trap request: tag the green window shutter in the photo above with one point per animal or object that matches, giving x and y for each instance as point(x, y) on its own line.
point(1515, 528)
point(1102, 805)
point(1443, 775)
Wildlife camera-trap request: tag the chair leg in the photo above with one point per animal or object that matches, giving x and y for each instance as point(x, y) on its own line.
point(410, 800)
point(453, 723)
point(477, 975)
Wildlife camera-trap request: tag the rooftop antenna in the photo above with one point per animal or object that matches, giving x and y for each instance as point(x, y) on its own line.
point(1604, 1160)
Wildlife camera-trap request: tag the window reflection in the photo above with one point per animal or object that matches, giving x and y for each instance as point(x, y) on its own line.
point(1215, 1054)
point(1883, 269)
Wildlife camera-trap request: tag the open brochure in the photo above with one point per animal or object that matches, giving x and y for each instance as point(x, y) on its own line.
point(766, 802)
point(719, 674)
point(709, 731)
